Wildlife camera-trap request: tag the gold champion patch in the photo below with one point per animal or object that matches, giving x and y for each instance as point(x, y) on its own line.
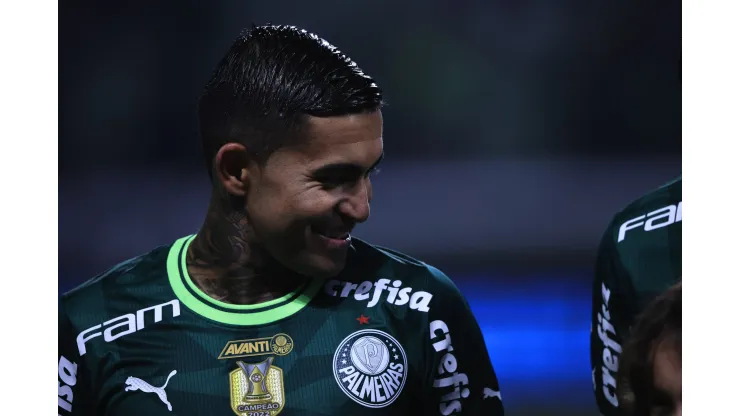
point(257, 389)
point(279, 344)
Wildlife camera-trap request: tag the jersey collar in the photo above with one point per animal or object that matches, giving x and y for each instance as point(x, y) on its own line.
point(243, 315)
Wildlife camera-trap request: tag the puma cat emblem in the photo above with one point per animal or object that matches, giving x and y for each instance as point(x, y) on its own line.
point(135, 383)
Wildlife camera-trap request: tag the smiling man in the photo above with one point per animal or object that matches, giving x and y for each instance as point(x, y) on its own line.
point(272, 307)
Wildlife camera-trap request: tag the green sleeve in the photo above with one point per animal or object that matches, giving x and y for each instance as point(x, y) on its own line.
point(459, 377)
point(609, 323)
point(75, 395)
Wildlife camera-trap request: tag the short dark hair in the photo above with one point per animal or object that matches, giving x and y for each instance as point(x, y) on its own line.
point(272, 78)
point(659, 323)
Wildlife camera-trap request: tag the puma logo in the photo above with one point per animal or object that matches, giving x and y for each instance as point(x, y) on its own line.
point(488, 393)
point(134, 383)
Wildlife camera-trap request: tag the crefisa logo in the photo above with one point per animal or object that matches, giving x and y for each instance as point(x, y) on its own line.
point(370, 367)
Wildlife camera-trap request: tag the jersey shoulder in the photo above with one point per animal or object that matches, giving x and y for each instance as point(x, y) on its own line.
point(123, 283)
point(667, 194)
point(401, 270)
point(651, 213)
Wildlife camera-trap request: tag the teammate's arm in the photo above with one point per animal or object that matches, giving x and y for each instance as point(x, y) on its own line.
point(460, 379)
point(74, 383)
point(609, 323)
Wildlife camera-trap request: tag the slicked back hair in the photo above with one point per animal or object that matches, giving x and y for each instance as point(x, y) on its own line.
point(270, 80)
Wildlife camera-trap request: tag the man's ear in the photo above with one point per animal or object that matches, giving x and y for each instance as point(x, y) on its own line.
point(231, 168)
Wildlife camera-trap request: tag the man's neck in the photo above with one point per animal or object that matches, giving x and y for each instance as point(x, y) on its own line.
point(223, 264)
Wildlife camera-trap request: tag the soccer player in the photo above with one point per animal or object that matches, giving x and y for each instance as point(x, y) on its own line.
point(272, 307)
point(638, 259)
point(650, 376)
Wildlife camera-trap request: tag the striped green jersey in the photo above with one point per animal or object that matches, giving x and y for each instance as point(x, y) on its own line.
point(389, 336)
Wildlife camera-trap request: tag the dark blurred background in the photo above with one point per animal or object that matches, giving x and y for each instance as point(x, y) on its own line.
point(515, 130)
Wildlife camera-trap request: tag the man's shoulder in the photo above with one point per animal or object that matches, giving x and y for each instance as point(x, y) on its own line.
point(117, 281)
point(666, 195)
point(378, 275)
point(394, 265)
point(653, 210)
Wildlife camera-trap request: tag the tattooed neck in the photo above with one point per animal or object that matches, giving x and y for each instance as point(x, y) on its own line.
point(223, 264)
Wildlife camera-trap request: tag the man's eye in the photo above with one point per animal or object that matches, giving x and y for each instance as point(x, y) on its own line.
point(334, 181)
point(340, 179)
point(330, 183)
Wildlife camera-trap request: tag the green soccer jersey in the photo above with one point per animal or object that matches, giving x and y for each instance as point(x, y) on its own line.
point(639, 258)
point(389, 336)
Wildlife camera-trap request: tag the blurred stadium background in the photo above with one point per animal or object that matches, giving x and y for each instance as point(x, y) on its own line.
point(514, 131)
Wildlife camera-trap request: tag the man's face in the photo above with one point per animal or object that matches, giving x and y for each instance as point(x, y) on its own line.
point(305, 200)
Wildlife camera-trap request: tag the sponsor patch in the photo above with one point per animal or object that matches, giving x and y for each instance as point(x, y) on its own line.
point(279, 344)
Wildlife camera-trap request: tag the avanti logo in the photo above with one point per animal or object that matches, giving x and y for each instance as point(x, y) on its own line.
point(280, 344)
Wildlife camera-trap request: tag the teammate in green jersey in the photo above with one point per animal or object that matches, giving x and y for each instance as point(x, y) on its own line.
point(639, 258)
point(272, 308)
